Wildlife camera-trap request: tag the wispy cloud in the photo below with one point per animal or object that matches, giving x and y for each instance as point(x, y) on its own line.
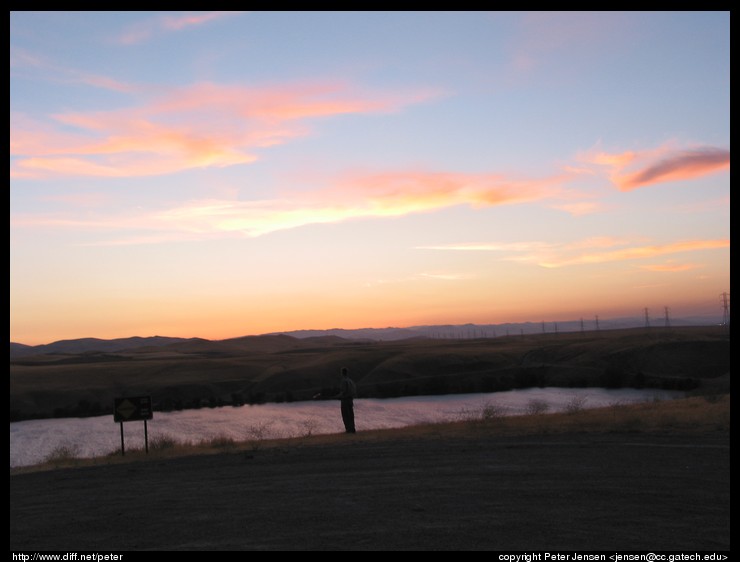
point(670, 267)
point(632, 170)
point(516, 247)
point(395, 193)
point(580, 208)
point(204, 125)
point(52, 71)
point(153, 139)
point(430, 277)
point(636, 252)
point(358, 196)
point(445, 276)
point(582, 36)
point(350, 197)
point(683, 165)
point(144, 30)
point(589, 251)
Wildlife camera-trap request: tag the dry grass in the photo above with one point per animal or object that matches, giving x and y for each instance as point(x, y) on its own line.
point(247, 371)
point(687, 415)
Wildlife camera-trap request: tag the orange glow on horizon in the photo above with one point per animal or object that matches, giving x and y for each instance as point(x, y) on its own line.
point(218, 174)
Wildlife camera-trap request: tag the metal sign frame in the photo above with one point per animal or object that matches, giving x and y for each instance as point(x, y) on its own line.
point(133, 408)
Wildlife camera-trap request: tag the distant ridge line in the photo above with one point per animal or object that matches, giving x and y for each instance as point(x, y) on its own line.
point(469, 331)
point(440, 331)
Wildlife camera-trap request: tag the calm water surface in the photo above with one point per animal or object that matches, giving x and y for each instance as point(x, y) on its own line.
point(32, 441)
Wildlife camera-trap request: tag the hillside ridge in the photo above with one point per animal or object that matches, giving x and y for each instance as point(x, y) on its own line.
point(256, 369)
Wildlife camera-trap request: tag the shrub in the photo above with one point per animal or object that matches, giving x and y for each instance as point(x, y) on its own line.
point(162, 442)
point(309, 425)
point(485, 413)
point(220, 442)
point(63, 453)
point(490, 411)
point(258, 433)
point(536, 406)
point(575, 404)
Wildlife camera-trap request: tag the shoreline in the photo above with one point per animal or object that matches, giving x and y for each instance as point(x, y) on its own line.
point(682, 415)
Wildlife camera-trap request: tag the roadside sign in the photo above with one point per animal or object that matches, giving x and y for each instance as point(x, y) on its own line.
point(132, 408)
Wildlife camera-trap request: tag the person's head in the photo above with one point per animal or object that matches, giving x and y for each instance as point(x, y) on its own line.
point(344, 372)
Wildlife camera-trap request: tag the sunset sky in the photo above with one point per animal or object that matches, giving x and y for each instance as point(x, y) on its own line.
point(221, 174)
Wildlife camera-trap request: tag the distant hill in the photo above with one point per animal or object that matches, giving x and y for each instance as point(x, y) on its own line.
point(85, 345)
point(193, 373)
point(283, 340)
point(268, 343)
point(472, 331)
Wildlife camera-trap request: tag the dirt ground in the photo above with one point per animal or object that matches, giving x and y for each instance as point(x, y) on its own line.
point(569, 492)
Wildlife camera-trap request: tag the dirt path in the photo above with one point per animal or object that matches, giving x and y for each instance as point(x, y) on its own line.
point(616, 492)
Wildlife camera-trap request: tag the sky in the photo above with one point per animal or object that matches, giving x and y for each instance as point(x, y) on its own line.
point(222, 174)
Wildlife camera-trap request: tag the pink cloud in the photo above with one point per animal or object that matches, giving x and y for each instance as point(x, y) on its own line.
point(350, 197)
point(145, 29)
point(104, 82)
point(204, 125)
point(677, 166)
point(282, 102)
point(189, 20)
point(56, 72)
point(590, 251)
point(580, 208)
point(582, 36)
point(632, 170)
point(670, 267)
point(402, 192)
point(634, 252)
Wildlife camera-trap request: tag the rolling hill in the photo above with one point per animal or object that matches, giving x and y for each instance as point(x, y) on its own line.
point(197, 372)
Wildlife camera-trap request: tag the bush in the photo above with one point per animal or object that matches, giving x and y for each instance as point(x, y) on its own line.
point(220, 442)
point(162, 442)
point(62, 454)
point(309, 426)
point(490, 411)
point(487, 412)
point(535, 407)
point(575, 404)
point(259, 433)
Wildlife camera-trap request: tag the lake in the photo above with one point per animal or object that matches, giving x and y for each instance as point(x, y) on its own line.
point(32, 441)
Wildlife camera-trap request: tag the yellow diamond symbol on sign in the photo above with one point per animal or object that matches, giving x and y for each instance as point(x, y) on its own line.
point(126, 408)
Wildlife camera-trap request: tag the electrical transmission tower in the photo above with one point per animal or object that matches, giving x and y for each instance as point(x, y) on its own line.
point(725, 298)
point(667, 322)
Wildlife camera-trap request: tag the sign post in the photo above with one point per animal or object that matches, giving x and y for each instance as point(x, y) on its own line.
point(133, 408)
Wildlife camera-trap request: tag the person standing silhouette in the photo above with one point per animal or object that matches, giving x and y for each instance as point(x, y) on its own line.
point(347, 394)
